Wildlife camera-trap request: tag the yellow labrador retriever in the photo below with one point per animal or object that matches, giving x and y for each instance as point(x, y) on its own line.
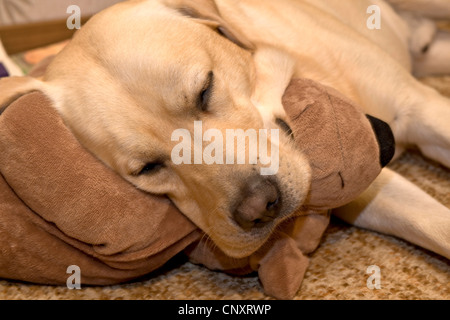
point(141, 70)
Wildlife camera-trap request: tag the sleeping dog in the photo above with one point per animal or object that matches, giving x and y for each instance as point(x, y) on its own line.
point(140, 70)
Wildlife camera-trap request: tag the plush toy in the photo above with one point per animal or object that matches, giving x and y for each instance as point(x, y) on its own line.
point(60, 206)
point(346, 150)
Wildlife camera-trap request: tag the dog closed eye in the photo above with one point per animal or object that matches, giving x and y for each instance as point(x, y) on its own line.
point(151, 167)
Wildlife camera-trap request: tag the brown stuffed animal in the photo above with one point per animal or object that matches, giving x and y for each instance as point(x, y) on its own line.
point(346, 150)
point(59, 206)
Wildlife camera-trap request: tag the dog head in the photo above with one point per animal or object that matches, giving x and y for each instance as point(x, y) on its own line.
point(162, 93)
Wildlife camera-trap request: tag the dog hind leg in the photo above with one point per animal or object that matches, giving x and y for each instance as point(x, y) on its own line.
point(435, 57)
point(417, 114)
point(438, 9)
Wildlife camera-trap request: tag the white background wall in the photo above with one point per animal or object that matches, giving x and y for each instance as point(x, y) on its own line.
point(28, 11)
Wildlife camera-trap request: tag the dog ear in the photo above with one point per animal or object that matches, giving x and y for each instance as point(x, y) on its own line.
point(11, 88)
point(206, 12)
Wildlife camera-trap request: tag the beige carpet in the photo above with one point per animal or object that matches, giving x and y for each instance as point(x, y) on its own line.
point(337, 269)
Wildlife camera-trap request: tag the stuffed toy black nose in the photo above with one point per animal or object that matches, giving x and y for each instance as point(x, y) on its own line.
point(385, 138)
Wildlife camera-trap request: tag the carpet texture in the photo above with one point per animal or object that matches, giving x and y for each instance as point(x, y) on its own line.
point(337, 268)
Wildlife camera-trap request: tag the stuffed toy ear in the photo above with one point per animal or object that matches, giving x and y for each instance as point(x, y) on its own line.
point(385, 138)
point(346, 149)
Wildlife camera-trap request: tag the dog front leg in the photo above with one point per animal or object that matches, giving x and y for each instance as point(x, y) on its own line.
point(395, 206)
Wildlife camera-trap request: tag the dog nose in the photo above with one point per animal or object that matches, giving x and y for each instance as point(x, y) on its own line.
point(259, 205)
